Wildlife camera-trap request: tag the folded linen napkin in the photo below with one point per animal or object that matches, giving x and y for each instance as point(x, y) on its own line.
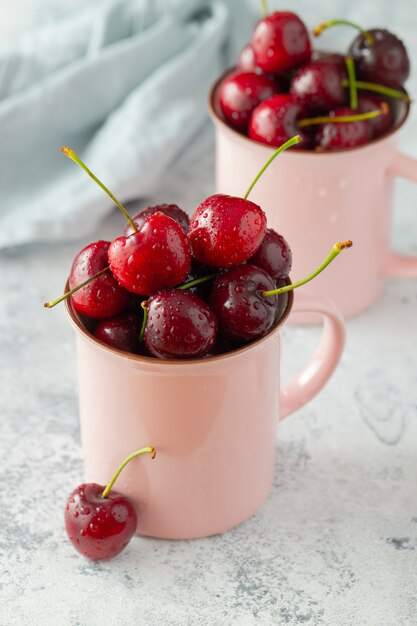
point(124, 84)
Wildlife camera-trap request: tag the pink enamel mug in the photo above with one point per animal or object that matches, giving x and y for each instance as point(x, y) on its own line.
point(316, 199)
point(212, 422)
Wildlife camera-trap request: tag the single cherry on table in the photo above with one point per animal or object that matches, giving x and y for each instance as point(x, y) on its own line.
point(101, 522)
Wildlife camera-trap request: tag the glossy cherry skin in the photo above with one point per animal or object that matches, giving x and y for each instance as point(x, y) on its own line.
point(240, 94)
point(121, 332)
point(343, 135)
point(273, 255)
point(103, 297)
point(99, 528)
point(226, 231)
point(275, 121)
point(385, 61)
point(318, 85)
point(157, 256)
point(280, 42)
point(371, 102)
point(180, 325)
point(172, 210)
point(242, 312)
point(246, 60)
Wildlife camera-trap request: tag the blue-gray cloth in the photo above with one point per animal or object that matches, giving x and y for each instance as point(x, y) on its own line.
point(125, 85)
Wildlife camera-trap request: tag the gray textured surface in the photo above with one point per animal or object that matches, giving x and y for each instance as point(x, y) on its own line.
point(336, 543)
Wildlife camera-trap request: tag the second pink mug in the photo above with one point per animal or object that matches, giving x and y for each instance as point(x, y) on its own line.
point(212, 421)
point(316, 199)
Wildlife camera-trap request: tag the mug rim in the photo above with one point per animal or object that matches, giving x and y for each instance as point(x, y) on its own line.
point(78, 325)
point(218, 118)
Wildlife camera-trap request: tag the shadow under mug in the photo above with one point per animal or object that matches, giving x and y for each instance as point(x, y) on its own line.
point(212, 421)
point(317, 199)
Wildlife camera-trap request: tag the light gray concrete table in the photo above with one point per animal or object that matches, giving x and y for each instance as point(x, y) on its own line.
point(336, 543)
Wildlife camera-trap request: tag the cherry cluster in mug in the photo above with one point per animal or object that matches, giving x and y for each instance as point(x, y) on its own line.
point(282, 87)
point(174, 288)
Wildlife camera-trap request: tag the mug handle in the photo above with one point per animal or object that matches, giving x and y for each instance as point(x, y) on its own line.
point(314, 376)
point(401, 264)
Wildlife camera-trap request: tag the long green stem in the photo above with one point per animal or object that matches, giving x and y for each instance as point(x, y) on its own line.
point(264, 6)
point(336, 250)
point(64, 296)
point(353, 91)
point(340, 119)
point(144, 306)
point(149, 449)
point(321, 27)
point(386, 91)
point(197, 281)
point(287, 144)
point(71, 155)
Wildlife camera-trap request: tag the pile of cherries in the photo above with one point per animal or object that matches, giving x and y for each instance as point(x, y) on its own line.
point(281, 87)
point(175, 288)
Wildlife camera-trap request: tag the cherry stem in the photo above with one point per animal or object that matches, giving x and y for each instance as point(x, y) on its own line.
point(197, 281)
point(336, 250)
point(386, 91)
point(144, 306)
point(321, 27)
point(64, 296)
point(353, 90)
point(340, 119)
point(264, 6)
point(71, 155)
point(287, 144)
point(149, 449)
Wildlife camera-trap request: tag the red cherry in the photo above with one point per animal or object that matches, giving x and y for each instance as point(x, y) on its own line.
point(275, 121)
point(121, 332)
point(240, 94)
point(156, 256)
point(226, 231)
point(180, 325)
point(318, 85)
point(384, 61)
point(236, 300)
point(343, 134)
point(246, 60)
point(98, 527)
point(280, 42)
point(103, 297)
point(273, 255)
point(371, 102)
point(172, 210)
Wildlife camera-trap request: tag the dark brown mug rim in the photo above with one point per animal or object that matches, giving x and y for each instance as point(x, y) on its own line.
point(78, 325)
point(216, 115)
